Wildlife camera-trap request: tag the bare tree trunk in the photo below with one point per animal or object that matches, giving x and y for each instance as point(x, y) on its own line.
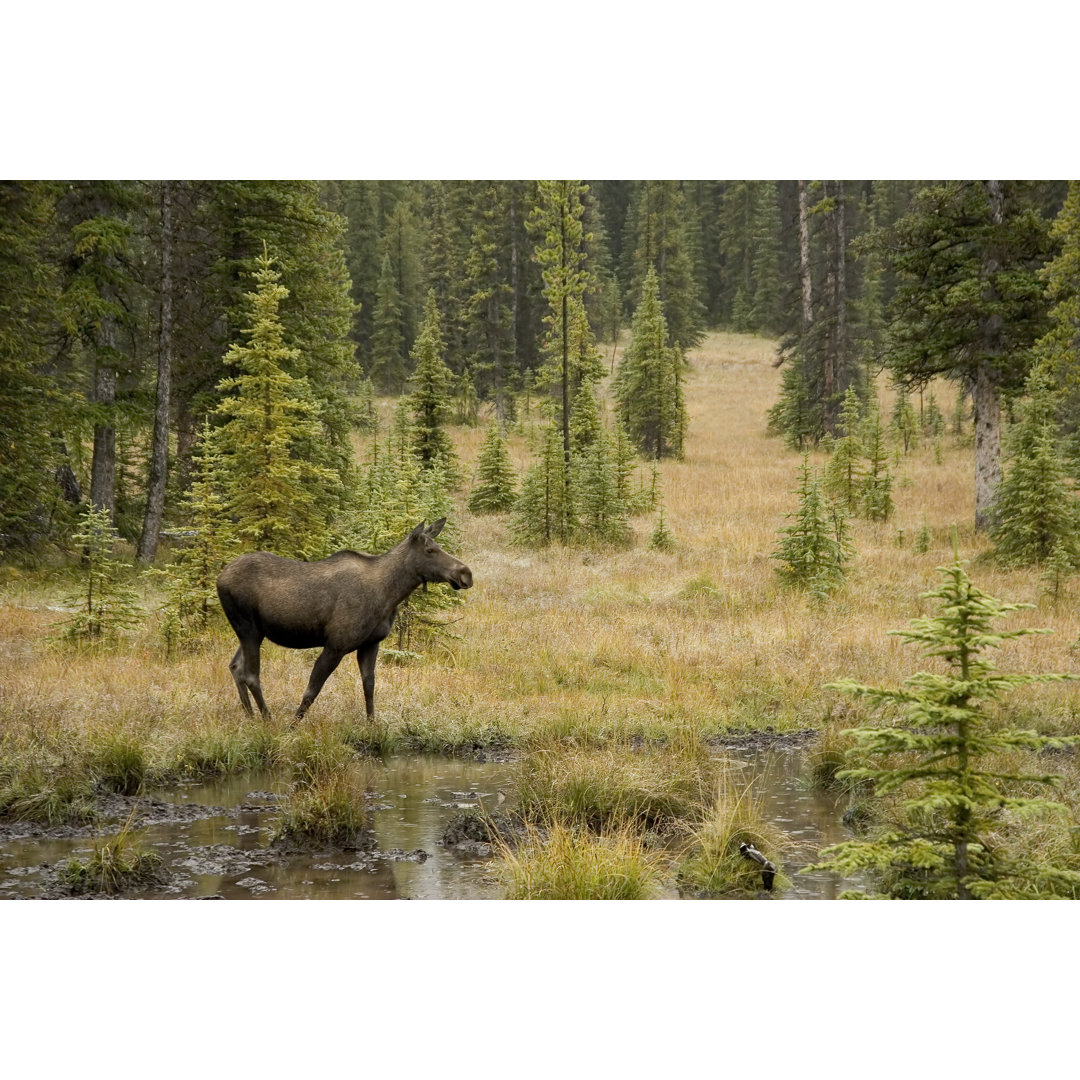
point(159, 457)
point(513, 282)
point(986, 393)
point(828, 355)
point(841, 279)
point(103, 469)
point(804, 260)
point(987, 400)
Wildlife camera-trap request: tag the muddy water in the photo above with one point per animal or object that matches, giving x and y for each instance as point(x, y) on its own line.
point(226, 854)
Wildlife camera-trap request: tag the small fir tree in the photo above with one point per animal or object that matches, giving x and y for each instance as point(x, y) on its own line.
point(190, 581)
point(430, 398)
point(604, 515)
point(946, 841)
point(877, 481)
point(1036, 507)
point(278, 499)
point(662, 538)
point(648, 381)
point(844, 473)
point(814, 550)
point(795, 416)
point(107, 608)
point(624, 458)
point(742, 312)
point(923, 539)
point(387, 364)
point(1059, 568)
point(367, 417)
point(933, 421)
point(904, 422)
point(545, 512)
point(496, 481)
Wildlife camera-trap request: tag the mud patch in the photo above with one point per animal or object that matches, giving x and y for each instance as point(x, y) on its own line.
point(762, 739)
point(471, 832)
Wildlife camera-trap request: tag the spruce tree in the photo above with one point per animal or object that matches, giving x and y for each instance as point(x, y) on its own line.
point(29, 297)
point(242, 220)
point(877, 499)
point(1059, 349)
point(662, 538)
point(496, 482)
point(1036, 506)
point(190, 579)
point(604, 513)
point(648, 382)
point(487, 313)
point(387, 363)
point(765, 264)
point(430, 397)
point(545, 510)
point(815, 549)
point(560, 251)
point(795, 416)
point(279, 501)
point(905, 424)
point(844, 472)
point(945, 754)
point(659, 238)
point(107, 608)
point(968, 303)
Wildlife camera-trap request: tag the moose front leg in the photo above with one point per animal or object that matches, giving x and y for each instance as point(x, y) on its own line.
point(323, 669)
point(366, 656)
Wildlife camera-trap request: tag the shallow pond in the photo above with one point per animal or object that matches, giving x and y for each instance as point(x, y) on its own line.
point(226, 853)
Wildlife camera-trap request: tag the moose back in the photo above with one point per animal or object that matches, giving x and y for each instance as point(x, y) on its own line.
point(345, 603)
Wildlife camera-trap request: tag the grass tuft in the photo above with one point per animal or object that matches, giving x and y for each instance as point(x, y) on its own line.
point(571, 864)
point(713, 864)
point(599, 788)
point(328, 810)
point(115, 866)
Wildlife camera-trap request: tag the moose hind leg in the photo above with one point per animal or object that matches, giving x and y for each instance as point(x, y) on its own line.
point(236, 668)
point(249, 673)
point(323, 669)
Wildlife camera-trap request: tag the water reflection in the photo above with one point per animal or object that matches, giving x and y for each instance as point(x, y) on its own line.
point(227, 854)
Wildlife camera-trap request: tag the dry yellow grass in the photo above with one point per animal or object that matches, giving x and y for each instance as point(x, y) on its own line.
point(598, 644)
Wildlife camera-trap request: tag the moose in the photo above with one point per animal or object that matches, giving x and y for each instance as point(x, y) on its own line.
point(345, 603)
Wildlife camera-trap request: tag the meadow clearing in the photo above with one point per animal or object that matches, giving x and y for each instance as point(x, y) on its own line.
point(594, 668)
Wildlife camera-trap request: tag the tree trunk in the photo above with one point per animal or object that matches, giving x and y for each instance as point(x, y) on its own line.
point(986, 394)
point(159, 456)
point(987, 400)
point(841, 281)
point(103, 469)
point(828, 355)
point(565, 315)
point(804, 260)
point(513, 330)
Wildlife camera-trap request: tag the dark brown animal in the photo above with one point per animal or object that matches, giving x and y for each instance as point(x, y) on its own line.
point(346, 603)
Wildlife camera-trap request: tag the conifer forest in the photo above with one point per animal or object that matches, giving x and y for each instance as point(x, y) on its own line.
point(694, 539)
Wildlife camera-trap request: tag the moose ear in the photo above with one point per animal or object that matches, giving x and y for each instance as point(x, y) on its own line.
point(417, 530)
point(435, 527)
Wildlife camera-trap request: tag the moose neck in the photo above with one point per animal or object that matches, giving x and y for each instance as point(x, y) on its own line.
point(400, 578)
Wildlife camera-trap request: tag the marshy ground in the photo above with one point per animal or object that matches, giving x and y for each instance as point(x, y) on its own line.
point(612, 685)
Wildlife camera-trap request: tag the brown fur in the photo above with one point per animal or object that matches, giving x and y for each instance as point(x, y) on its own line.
point(345, 603)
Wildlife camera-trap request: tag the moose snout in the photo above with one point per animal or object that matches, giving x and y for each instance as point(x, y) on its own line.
point(461, 578)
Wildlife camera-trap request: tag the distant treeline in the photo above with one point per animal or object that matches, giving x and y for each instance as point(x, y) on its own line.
point(120, 299)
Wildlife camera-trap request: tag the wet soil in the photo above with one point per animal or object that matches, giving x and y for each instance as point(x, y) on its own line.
point(435, 823)
point(755, 739)
point(215, 840)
